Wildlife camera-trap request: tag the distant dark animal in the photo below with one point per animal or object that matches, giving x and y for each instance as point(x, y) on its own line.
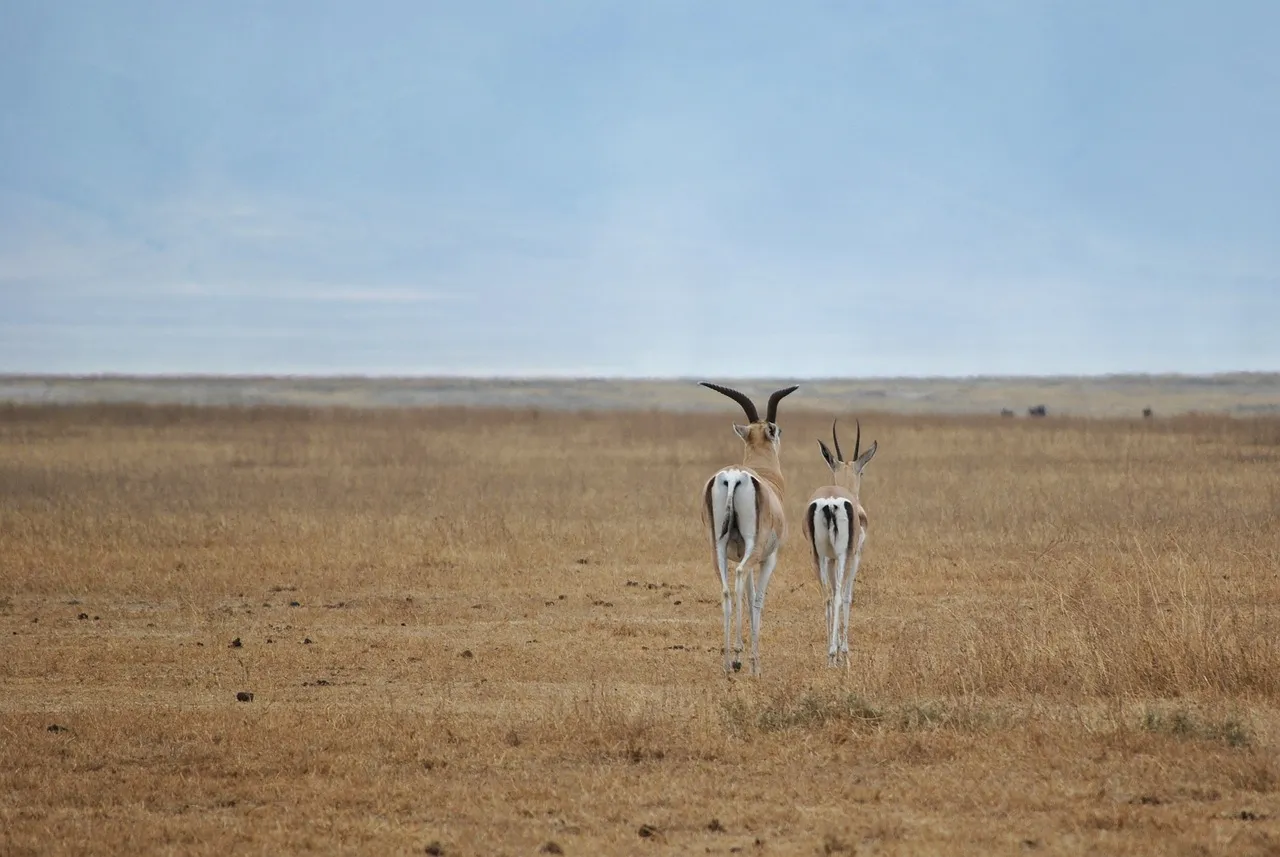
point(1146, 413)
point(1038, 411)
point(1005, 412)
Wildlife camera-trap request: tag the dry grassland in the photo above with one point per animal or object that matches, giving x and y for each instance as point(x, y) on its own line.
point(497, 632)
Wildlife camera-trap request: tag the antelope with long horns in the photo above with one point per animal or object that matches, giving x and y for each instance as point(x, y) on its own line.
point(742, 511)
point(836, 526)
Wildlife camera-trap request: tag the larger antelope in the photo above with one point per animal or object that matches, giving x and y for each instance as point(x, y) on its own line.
point(742, 511)
point(836, 526)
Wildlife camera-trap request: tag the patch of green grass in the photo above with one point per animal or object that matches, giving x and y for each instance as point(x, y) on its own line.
point(813, 709)
point(1187, 724)
point(809, 710)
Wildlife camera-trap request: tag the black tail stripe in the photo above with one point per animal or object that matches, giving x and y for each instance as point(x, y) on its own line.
point(707, 500)
point(813, 526)
point(848, 510)
point(758, 498)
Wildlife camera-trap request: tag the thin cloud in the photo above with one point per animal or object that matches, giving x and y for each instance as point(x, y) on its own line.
point(321, 292)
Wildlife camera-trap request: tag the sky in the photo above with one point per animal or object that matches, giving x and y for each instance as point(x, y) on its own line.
point(660, 189)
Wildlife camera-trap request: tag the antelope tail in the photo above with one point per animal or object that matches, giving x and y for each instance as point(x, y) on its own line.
point(832, 523)
point(728, 509)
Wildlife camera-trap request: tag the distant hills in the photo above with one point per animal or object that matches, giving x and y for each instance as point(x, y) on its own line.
point(1243, 393)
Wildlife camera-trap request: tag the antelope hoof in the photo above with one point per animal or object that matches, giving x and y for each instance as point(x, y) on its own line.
point(737, 666)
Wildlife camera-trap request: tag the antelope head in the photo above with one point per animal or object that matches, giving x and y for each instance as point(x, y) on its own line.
point(848, 474)
point(760, 435)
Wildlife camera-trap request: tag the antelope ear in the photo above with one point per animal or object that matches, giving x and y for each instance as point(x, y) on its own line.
point(741, 430)
point(865, 457)
point(826, 453)
point(775, 431)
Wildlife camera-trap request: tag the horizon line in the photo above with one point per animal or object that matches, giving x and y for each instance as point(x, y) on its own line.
point(694, 379)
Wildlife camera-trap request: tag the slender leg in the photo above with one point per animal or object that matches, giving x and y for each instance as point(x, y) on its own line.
point(832, 600)
point(739, 586)
point(754, 623)
point(847, 595)
point(757, 604)
point(838, 565)
point(741, 581)
point(766, 571)
point(726, 598)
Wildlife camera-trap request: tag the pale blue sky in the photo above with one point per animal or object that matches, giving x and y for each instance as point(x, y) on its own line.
point(642, 188)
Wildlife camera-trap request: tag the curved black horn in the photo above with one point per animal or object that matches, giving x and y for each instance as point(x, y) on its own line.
point(836, 441)
point(777, 397)
point(747, 405)
point(857, 441)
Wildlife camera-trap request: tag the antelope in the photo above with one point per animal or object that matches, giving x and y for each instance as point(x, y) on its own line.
point(742, 511)
point(835, 524)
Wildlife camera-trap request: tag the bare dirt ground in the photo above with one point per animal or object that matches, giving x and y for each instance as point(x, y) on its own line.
point(469, 631)
point(1240, 394)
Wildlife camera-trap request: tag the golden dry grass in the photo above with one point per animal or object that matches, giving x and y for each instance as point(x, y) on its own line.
point(497, 632)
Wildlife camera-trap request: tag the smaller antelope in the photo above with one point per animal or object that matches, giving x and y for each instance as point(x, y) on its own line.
point(836, 526)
